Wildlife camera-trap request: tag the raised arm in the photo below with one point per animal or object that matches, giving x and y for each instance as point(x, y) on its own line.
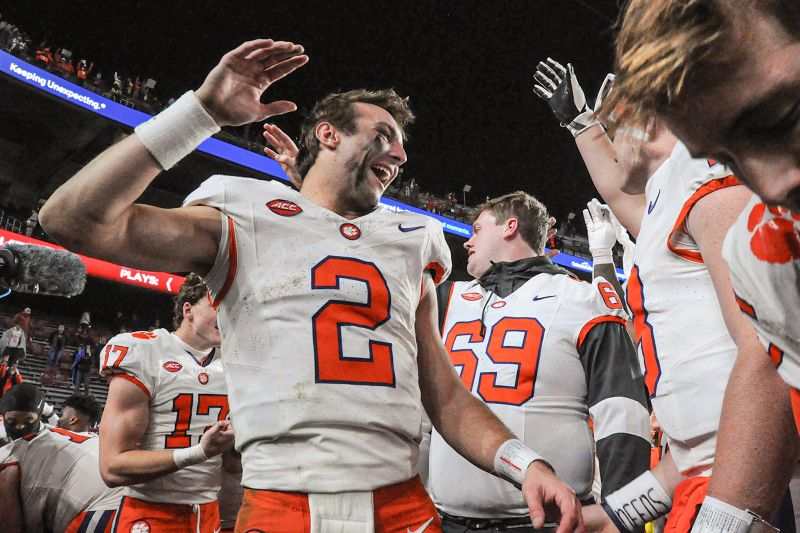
point(471, 428)
point(125, 419)
point(559, 87)
point(95, 211)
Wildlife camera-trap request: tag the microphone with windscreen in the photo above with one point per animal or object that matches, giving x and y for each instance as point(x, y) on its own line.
point(41, 270)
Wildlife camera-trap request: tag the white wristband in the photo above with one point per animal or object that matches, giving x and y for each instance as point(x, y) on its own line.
point(512, 460)
point(192, 455)
point(716, 516)
point(177, 131)
point(640, 501)
point(602, 256)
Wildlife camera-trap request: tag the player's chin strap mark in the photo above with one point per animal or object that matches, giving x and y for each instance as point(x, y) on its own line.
point(640, 501)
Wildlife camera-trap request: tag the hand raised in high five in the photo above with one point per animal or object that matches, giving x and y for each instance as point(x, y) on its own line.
point(231, 92)
point(285, 152)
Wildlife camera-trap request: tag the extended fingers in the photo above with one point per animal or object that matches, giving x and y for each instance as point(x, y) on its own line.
point(277, 108)
point(284, 68)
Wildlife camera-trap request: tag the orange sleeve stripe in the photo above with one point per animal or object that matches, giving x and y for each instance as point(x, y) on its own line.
point(593, 322)
point(703, 190)
point(447, 306)
point(133, 380)
point(745, 307)
point(232, 265)
point(776, 354)
point(437, 270)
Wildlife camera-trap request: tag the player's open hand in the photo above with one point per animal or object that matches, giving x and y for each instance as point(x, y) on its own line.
point(285, 152)
point(547, 495)
point(232, 90)
point(218, 438)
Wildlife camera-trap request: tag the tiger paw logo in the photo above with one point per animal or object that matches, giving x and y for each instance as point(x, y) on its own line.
point(203, 378)
point(776, 239)
point(140, 526)
point(144, 335)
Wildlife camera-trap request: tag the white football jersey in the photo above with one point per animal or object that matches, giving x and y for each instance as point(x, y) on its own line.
point(762, 250)
point(187, 394)
point(317, 319)
point(526, 367)
point(686, 350)
point(60, 477)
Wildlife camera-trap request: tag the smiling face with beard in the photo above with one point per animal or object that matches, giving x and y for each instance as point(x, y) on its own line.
point(371, 158)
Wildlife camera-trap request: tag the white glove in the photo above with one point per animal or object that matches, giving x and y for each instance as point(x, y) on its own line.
point(559, 87)
point(602, 235)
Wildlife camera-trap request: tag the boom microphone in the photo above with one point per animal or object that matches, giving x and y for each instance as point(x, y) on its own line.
point(41, 270)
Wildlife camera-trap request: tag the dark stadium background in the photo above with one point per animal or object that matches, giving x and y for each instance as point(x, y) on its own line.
point(467, 67)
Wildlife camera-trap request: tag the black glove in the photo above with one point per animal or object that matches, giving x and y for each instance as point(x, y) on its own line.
point(559, 87)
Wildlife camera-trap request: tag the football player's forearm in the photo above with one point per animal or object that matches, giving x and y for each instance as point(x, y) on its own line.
point(137, 466)
point(99, 194)
point(600, 159)
point(472, 429)
point(757, 445)
point(10, 504)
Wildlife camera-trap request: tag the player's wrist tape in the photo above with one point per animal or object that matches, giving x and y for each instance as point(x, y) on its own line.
point(177, 131)
point(512, 460)
point(582, 122)
point(602, 256)
point(640, 501)
point(192, 455)
point(716, 516)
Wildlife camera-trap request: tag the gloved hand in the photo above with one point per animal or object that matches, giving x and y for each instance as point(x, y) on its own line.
point(602, 235)
point(559, 87)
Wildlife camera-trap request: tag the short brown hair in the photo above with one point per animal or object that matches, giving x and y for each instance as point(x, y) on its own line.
point(192, 290)
point(662, 46)
point(530, 212)
point(338, 109)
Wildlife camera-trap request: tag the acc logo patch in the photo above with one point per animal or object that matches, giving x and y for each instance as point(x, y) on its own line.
point(350, 231)
point(284, 208)
point(472, 296)
point(202, 378)
point(144, 335)
point(140, 526)
point(498, 305)
point(172, 366)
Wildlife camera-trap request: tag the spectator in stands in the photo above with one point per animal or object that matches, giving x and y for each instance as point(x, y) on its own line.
point(98, 349)
point(9, 376)
point(58, 341)
point(83, 335)
point(118, 322)
point(80, 413)
point(23, 320)
point(82, 368)
point(84, 69)
point(13, 343)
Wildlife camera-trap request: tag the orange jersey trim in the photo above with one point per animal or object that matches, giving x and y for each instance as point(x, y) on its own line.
point(704, 190)
point(592, 323)
point(437, 270)
point(133, 380)
point(232, 265)
point(745, 307)
point(447, 307)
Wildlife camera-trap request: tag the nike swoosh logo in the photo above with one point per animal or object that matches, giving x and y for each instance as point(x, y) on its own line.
point(652, 205)
point(406, 230)
point(537, 297)
point(421, 528)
